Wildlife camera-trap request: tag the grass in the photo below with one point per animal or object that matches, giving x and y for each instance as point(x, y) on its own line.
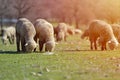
point(72, 60)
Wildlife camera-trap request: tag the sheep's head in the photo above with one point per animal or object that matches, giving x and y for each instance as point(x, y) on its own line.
point(113, 44)
point(30, 46)
point(49, 46)
point(85, 34)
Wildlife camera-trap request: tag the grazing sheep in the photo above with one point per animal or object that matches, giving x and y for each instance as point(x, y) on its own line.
point(8, 34)
point(103, 30)
point(25, 33)
point(45, 34)
point(85, 34)
point(61, 32)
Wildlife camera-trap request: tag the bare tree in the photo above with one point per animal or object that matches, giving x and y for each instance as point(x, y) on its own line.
point(22, 7)
point(3, 11)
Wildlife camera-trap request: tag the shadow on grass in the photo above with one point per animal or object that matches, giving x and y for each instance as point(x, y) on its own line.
point(78, 50)
point(15, 52)
point(8, 52)
point(11, 52)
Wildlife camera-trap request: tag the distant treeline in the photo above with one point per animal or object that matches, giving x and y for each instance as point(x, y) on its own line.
point(70, 11)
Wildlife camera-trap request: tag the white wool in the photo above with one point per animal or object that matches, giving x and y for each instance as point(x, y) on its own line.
point(45, 34)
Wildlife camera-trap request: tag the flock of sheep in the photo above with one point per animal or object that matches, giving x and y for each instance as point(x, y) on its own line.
point(29, 35)
point(42, 33)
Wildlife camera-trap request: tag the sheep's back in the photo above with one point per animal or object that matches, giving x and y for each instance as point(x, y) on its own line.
point(101, 28)
point(116, 29)
point(44, 29)
point(25, 28)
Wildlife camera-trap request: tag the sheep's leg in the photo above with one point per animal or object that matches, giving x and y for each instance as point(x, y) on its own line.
point(91, 45)
point(13, 39)
point(46, 49)
point(57, 38)
point(41, 45)
point(65, 38)
point(103, 47)
point(35, 38)
point(95, 45)
point(23, 44)
point(18, 42)
point(10, 39)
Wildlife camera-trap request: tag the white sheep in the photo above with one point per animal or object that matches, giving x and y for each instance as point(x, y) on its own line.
point(25, 33)
point(45, 35)
point(103, 30)
point(8, 33)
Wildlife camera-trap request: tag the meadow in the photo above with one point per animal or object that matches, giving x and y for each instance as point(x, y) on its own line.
point(72, 60)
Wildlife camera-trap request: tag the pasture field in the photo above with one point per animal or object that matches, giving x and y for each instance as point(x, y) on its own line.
point(72, 60)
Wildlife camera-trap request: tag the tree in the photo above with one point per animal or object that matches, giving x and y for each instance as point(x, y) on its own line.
point(3, 10)
point(22, 7)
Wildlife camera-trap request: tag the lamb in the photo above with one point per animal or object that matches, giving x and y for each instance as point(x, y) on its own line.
point(45, 35)
point(8, 34)
point(61, 32)
point(103, 30)
point(25, 33)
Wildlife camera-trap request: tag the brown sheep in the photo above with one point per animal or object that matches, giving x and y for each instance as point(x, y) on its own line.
point(25, 33)
point(45, 35)
point(103, 30)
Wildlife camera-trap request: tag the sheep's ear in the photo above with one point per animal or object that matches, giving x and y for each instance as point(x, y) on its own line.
point(26, 44)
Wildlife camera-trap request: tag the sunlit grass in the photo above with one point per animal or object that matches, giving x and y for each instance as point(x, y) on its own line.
point(72, 60)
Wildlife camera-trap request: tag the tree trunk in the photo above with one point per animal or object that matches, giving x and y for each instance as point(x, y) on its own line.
point(77, 24)
point(1, 24)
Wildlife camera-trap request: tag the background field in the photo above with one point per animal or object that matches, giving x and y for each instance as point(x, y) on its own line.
point(72, 60)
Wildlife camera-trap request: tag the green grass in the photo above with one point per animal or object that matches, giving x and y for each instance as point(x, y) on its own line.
point(72, 60)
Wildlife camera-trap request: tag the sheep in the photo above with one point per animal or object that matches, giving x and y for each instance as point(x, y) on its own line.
point(45, 35)
point(8, 34)
point(61, 32)
point(25, 33)
point(85, 34)
point(103, 30)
